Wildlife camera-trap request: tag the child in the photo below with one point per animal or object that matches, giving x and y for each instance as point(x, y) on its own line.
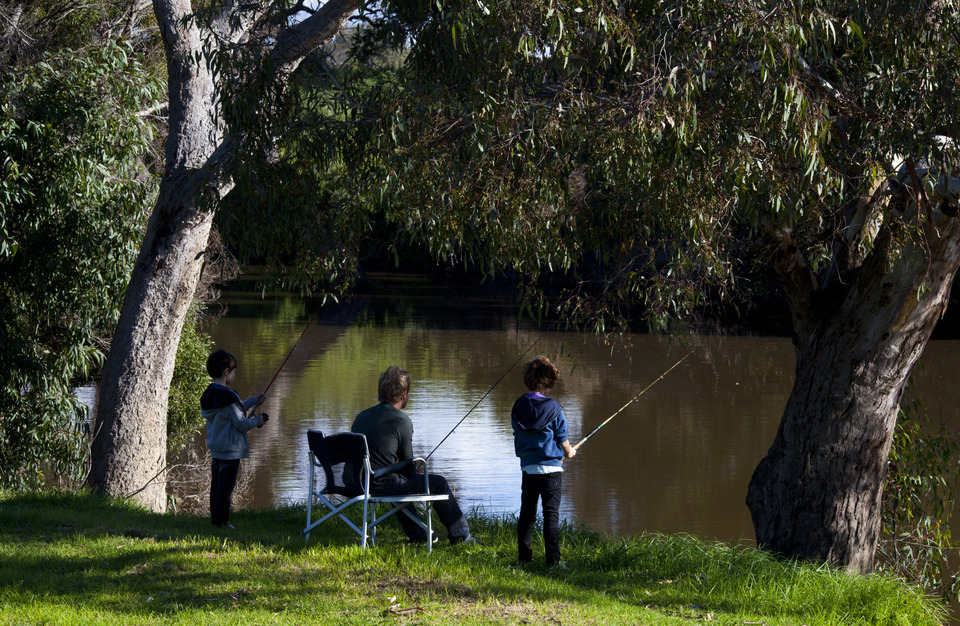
point(540, 440)
point(227, 426)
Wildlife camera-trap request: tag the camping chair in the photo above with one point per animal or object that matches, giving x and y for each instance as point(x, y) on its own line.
point(345, 460)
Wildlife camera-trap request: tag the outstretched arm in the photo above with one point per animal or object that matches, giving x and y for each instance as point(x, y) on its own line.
point(241, 422)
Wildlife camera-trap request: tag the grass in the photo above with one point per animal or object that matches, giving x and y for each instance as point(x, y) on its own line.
point(77, 559)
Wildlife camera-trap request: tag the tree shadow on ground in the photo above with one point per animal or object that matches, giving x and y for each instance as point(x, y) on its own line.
point(101, 554)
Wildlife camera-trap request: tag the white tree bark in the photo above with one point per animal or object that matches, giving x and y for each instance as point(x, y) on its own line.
point(129, 447)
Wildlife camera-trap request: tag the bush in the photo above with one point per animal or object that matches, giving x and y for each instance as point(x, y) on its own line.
point(73, 201)
point(918, 501)
point(189, 380)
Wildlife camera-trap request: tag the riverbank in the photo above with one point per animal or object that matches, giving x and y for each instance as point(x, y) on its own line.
point(69, 559)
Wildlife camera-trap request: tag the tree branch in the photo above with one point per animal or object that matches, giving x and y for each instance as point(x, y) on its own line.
point(861, 224)
point(234, 19)
point(160, 106)
point(799, 281)
point(13, 21)
point(299, 40)
point(830, 89)
point(137, 9)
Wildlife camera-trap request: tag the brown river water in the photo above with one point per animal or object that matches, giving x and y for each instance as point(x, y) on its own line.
point(679, 459)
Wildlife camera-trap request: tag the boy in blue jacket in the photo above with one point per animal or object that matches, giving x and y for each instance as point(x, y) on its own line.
point(540, 440)
point(227, 426)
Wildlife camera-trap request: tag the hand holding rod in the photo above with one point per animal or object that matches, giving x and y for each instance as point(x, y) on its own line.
point(632, 400)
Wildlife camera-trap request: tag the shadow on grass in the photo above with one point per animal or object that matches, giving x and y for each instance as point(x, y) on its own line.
point(96, 552)
point(56, 514)
point(100, 553)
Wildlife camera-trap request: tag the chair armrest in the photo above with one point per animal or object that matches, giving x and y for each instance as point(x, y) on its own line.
point(396, 467)
point(422, 462)
point(425, 473)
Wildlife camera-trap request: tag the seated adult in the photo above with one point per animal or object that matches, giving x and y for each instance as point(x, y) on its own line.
point(389, 433)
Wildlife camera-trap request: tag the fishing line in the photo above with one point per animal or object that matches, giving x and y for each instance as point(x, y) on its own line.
point(309, 323)
point(632, 400)
point(486, 394)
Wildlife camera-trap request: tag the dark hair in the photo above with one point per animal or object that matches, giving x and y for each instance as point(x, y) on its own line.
point(539, 374)
point(220, 361)
point(393, 383)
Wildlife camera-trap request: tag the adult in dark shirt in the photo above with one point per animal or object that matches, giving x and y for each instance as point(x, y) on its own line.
point(389, 433)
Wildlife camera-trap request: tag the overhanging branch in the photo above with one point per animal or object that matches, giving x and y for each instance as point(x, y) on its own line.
point(302, 38)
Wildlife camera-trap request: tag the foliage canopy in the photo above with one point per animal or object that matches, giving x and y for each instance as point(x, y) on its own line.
point(651, 149)
point(72, 203)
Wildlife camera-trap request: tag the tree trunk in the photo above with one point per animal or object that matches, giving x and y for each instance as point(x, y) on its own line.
point(130, 437)
point(129, 446)
point(817, 493)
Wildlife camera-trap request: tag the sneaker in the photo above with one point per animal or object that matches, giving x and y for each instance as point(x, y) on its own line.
point(224, 526)
point(559, 566)
point(469, 539)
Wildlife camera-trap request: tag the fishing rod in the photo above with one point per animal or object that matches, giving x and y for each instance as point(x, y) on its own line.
point(309, 323)
point(486, 394)
point(632, 400)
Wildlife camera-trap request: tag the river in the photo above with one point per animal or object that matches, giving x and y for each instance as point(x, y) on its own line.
point(679, 459)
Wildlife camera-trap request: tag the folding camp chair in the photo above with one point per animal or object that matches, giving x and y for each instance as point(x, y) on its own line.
point(345, 460)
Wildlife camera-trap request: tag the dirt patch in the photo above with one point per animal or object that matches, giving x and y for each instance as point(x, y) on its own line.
point(409, 598)
point(524, 612)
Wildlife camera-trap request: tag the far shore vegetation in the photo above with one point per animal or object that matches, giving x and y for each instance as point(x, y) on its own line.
point(70, 558)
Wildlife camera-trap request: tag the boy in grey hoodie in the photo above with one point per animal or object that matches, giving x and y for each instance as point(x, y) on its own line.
point(227, 426)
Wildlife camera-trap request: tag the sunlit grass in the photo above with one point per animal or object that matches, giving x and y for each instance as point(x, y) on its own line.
point(70, 559)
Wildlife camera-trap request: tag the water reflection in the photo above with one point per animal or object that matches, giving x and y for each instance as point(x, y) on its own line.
point(677, 460)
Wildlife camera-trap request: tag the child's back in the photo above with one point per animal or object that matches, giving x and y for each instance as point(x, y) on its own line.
point(540, 440)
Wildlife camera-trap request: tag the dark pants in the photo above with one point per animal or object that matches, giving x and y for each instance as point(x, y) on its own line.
point(545, 487)
point(447, 510)
point(223, 478)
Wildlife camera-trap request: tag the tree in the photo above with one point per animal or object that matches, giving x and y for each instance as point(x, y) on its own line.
point(225, 64)
point(659, 153)
point(71, 212)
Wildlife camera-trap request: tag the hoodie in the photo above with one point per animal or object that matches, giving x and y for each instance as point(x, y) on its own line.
point(227, 423)
point(539, 427)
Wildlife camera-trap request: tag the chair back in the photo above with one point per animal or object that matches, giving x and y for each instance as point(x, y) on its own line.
point(343, 457)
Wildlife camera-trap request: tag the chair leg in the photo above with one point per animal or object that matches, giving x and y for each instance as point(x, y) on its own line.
point(366, 522)
point(306, 537)
point(429, 528)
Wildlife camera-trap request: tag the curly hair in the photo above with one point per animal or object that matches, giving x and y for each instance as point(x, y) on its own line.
point(539, 374)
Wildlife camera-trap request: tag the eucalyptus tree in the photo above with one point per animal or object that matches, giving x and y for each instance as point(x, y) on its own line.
point(228, 66)
point(659, 152)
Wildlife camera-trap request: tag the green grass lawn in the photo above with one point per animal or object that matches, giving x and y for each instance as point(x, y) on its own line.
point(76, 559)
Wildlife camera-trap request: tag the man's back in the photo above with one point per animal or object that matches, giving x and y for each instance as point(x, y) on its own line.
point(389, 433)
